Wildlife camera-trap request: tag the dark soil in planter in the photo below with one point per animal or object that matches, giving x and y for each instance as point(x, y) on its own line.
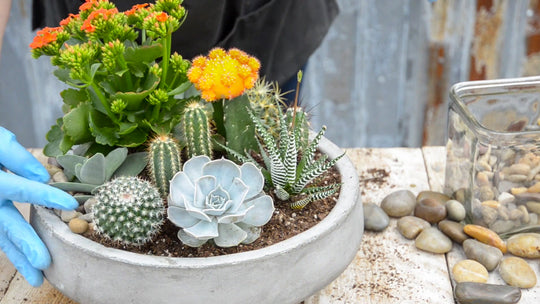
point(285, 223)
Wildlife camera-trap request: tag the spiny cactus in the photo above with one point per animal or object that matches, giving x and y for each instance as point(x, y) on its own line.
point(266, 101)
point(128, 210)
point(197, 130)
point(163, 161)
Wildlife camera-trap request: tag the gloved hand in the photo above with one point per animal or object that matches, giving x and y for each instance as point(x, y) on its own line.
point(18, 240)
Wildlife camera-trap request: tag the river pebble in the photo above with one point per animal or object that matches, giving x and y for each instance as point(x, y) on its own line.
point(410, 226)
point(68, 215)
point(433, 240)
point(399, 203)
point(480, 293)
point(78, 225)
point(525, 245)
point(486, 255)
point(533, 207)
point(469, 271)
point(517, 272)
point(375, 219)
point(455, 210)
point(453, 230)
point(485, 236)
point(431, 210)
point(438, 196)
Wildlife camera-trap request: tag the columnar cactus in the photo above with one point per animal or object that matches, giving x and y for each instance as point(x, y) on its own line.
point(163, 161)
point(197, 131)
point(129, 210)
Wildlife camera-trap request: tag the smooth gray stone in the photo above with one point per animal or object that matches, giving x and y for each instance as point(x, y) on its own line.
point(455, 210)
point(480, 293)
point(486, 255)
point(375, 219)
point(399, 203)
point(453, 230)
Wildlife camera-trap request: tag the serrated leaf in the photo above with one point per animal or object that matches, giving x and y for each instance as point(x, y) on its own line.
point(74, 97)
point(75, 124)
point(133, 165)
point(134, 99)
point(143, 53)
point(54, 138)
point(114, 160)
point(93, 170)
point(180, 89)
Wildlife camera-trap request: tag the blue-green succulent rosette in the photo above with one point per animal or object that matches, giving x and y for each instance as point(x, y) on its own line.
point(220, 201)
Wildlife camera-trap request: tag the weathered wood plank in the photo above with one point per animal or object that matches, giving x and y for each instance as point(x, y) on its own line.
point(21, 292)
point(388, 268)
point(435, 159)
point(7, 271)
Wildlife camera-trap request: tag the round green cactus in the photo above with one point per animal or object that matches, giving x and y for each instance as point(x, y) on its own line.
point(129, 210)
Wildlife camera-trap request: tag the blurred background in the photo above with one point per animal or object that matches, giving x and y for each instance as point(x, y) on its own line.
point(380, 79)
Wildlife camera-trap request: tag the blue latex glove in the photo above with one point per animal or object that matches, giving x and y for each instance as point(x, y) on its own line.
point(18, 240)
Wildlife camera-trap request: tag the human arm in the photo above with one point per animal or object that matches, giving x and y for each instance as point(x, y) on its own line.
point(18, 240)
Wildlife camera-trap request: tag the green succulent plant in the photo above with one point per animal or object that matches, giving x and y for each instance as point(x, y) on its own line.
point(289, 164)
point(87, 173)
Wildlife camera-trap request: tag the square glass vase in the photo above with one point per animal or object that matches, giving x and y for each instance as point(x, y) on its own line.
point(493, 152)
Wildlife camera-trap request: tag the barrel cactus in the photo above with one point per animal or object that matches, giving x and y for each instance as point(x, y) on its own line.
point(163, 161)
point(128, 210)
point(220, 201)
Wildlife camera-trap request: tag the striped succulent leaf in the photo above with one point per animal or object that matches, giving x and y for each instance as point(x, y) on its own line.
point(315, 194)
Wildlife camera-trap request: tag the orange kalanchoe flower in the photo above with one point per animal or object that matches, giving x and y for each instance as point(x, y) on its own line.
point(67, 20)
point(102, 13)
point(224, 74)
point(89, 4)
point(45, 37)
point(135, 8)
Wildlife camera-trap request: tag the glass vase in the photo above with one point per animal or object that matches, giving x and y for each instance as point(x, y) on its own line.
point(493, 152)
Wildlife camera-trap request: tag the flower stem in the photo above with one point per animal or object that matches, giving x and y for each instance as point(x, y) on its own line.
point(104, 102)
point(166, 42)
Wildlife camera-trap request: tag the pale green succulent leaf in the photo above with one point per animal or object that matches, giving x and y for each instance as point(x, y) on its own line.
point(93, 170)
point(114, 160)
point(229, 235)
point(132, 165)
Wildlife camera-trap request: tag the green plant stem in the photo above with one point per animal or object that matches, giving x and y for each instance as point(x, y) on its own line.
point(124, 66)
point(155, 112)
point(218, 117)
point(166, 42)
point(104, 102)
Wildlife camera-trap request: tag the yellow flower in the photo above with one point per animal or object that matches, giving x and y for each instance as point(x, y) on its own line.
point(224, 75)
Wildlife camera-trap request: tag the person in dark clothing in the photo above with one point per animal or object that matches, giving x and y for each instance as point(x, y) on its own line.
point(282, 34)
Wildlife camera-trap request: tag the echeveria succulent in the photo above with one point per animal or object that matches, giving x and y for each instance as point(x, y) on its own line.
point(220, 201)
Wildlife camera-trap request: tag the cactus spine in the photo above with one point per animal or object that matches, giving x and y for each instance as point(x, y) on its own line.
point(163, 162)
point(128, 210)
point(197, 131)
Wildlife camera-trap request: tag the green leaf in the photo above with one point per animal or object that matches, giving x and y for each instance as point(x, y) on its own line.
point(93, 69)
point(75, 124)
point(68, 163)
point(127, 127)
point(54, 138)
point(180, 89)
point(143, 53)
point(65, 144)
point(133, 139)
point(133, 99)
point(133, 165)
point(75, 187)
point(93, 170)
point(114, 160)
point(102, 129)
point(74, 97)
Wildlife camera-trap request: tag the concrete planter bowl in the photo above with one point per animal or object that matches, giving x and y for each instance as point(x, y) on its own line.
point(286, 272)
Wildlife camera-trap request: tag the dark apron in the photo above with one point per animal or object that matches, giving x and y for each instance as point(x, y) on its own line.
point(282, 34)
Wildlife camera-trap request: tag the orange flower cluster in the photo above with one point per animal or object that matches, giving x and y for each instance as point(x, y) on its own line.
point(44, 37)
point(99, 14)
point(224, 75)
point(136, 8)
point(67, 20)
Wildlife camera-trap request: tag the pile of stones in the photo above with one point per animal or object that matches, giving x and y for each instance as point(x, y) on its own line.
point(436, 223)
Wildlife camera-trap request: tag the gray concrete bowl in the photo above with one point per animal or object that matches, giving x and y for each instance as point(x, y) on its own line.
point(286, 272)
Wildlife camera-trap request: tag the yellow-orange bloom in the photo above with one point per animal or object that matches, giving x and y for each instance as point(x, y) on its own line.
point(224, 74)
point(44, 37)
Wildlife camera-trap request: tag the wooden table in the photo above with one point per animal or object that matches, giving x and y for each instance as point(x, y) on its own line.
point(387, 269)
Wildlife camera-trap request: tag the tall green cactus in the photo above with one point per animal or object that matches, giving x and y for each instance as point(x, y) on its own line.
point(197, 131)
point(163, 161)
